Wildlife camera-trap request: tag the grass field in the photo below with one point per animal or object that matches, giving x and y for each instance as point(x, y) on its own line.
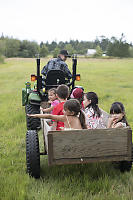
point(112, 81)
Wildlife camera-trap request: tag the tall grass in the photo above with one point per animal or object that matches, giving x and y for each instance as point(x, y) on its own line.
point(112, 81)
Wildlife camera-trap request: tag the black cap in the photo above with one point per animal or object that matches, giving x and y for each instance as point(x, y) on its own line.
point(65, 53)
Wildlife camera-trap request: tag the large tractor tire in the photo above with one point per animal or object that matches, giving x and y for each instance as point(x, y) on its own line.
point(32, 154)
point(32, 123)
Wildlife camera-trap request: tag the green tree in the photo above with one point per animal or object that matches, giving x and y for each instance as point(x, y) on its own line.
point(56, 52)
point(52, 46)
point(61, 45)
point(28, 49)
point(99, 52)
point(2, 46)
point(23, 52)
point(104, 42)
point(43, 51)
point(118, 48)
point(41, 44)
point(12, 47)
point(33, 49)
point(69, 48)
point(131, 51)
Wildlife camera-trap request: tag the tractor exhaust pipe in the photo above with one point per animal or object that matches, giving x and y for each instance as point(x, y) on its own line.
point(74, 60)
point(39, 78)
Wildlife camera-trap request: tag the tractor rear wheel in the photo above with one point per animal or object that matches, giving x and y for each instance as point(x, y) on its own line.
point(32, 123)
point(32, 154)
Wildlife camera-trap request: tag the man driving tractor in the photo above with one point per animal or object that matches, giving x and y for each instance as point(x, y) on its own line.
point(58, 64)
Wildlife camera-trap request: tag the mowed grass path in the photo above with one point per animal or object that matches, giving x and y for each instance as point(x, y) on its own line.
point(112, 81)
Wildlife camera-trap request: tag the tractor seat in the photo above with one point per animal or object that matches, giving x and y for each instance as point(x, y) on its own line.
point(54, 78)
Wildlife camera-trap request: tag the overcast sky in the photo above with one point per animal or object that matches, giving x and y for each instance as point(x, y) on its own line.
point(62, 20)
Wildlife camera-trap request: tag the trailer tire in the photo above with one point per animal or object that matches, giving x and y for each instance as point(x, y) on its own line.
point(32, 154)
point(125, 166)
point(32, 123)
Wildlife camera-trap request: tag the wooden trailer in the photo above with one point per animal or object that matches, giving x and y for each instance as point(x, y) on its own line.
point(84, 146)
point(80, 146)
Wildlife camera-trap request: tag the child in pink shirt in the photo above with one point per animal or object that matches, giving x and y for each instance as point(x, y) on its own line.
point(53, 100)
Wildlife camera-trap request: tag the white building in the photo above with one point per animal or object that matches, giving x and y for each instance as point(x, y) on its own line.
point(91, 52)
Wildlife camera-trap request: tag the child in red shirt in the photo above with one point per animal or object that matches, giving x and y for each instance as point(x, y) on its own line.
point(62, 94)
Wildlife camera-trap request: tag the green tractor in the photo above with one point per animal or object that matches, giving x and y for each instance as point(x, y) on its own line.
point(33, 97)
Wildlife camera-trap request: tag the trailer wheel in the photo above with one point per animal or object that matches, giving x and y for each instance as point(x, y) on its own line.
point(32, 154)
point(125, 166)
point(32, 123)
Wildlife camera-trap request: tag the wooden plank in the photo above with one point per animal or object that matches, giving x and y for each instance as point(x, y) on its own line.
point(50, 149)
point(66, 161)
point(92, 131)
point(91, 145)
point(73, 145)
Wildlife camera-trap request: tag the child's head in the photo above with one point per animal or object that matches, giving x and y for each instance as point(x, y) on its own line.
point(77, 93)
point(72, 107)
point(117, 109)
point(52, 94)
point(91, 100)
point(63, 91)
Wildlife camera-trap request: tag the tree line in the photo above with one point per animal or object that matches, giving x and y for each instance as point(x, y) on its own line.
point(10, 47)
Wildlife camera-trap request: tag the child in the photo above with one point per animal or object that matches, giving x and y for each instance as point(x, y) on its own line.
point(78, 94)
point(62, 94)
point(117, 116)
point(94, 117)
point(52, 96)
point(73, 117)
